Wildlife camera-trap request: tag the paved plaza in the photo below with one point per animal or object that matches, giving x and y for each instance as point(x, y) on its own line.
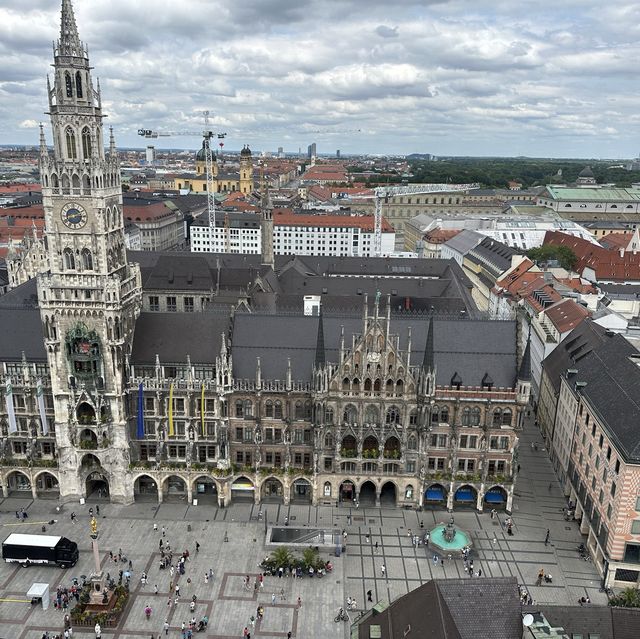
point(538, 507)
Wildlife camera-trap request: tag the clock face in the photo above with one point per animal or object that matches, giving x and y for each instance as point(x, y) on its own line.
point(73, 216)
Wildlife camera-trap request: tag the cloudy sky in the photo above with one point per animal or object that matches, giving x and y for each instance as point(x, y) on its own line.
point(466, 77)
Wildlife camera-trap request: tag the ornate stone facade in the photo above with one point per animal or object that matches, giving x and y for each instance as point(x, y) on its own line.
point(272, 408)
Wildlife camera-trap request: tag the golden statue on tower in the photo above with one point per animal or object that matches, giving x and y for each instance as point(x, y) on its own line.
point(94, 527)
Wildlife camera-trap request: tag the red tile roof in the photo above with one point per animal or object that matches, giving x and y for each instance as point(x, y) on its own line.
point(439, 236)
point(9, 189)
point(566, 315)
point(147, 212)
point(616, 241)
point(29, 212)
point(606, 264)
point(285, 217)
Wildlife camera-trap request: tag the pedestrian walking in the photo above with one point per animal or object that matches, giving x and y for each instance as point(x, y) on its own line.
point(163, 531)
point(282, 597)
point(166, 627)
point(383, 569)
point(211, 574)
point(273, 599)
point(546, 538)
point(495, 539)
point(98, 510)
point(289, 635)
point(73, 517)
point(98, 630)
point(177, 590)
point(206, 578)
point(376, 546)
point(299, 602)
point(197, 547)
point(155, 527)
point(369, 595)
point(155, 589)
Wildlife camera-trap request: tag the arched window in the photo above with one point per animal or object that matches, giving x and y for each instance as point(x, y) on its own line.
point(86, 143)
point(506, 417)
point(69, 260)
point(350, 414)
point(54, 181)
point(72, 152)
point(277, 409)
point(66, 185)
point(444, 415)
point(328, 415)
point(329, 442)
point(86, 184)
point(371, 415)
point(466, 416)
point(307, 410)
point(239, 408)
point(268, 409)
point(475, 416)
point(412, 443)
point(327, 489)
point(497, 416)
point(299, 410)
point(413, 418)
point(78, 84)
point(345, 384)
point(393, 415)
point(87, 260)
point(435, 414)
point(68, 83)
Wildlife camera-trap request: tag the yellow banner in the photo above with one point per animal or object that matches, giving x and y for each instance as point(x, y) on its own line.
point(171, 431)
point(204, 434)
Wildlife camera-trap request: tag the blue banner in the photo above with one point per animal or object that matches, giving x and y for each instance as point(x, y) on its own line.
point(140, 433)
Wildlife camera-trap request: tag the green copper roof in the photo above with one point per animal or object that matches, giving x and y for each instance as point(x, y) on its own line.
point(592, 195)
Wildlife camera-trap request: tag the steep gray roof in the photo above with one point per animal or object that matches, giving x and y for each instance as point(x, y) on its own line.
point(573, 348)
point(173, 336)
point(470, 347)
point(21, 332)
point(487, 608)
point(612, 377)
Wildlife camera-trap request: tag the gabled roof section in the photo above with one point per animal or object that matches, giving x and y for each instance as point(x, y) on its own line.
point(566, 315)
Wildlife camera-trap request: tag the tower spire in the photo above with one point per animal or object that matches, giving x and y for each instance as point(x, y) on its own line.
point(428, 360)
point(320, 352)
point(69, 43)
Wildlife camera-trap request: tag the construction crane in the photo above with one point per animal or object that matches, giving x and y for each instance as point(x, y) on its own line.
point(381, 194)
point(207, 136)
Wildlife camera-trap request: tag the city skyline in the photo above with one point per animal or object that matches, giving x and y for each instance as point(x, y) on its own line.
point(437, 77)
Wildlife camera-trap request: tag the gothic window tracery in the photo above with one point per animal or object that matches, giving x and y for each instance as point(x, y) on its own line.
point(371, 415)
point(69, 260)
point(86, 143)
point(412, 443)
point(329, 442)
point(393, 415)
point(350, 414)
point(78, 84)
point(87, 260)
point(72, 152)
point(328, 415)
point(68, 84)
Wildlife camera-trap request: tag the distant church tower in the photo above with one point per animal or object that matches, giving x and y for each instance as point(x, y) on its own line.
point(90, 298)
point(246, 171)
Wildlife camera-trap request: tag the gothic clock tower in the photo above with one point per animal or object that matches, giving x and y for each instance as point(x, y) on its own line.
point(91, 296)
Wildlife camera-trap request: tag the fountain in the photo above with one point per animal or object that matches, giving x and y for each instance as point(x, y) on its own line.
point(449, 539)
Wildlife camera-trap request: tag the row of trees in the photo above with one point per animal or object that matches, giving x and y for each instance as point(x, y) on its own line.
point(498, 172)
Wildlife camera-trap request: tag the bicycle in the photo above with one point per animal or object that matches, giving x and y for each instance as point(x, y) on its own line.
point(342, 616)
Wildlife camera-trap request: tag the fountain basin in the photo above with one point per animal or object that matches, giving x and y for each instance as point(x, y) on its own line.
point(439, 543)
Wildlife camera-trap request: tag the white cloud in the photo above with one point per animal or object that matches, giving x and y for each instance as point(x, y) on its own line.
point(29, 124)
point(440, 76)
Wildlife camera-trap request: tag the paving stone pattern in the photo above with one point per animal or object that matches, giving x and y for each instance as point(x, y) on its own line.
point(538, 507)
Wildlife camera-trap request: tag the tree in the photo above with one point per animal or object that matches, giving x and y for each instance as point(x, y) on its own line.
point(309, 557)
point(628, 598)
point(281, 557)
point(548, 252)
